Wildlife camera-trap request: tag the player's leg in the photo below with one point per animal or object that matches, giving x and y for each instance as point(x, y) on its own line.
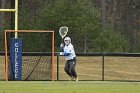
point(72, 69)
point(66, 68)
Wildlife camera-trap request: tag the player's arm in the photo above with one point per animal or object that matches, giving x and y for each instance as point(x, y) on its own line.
point(70, 51)
point(62, 47)
point(66, 52)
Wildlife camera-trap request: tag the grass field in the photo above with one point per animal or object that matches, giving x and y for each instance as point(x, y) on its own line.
point(69, 87)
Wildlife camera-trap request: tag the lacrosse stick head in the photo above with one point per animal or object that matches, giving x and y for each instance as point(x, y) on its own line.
point(63, 31)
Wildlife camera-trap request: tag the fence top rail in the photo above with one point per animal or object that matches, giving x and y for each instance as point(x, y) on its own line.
point(78, 54)
point(110, 54)
point(29, 31)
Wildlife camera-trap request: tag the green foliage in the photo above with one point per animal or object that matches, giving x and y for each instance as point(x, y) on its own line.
point(111, 41)
point(79, 15)
point(84, 22)
point(2, 41)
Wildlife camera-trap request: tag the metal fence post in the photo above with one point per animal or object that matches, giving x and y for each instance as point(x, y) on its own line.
point(103, 66)
point(57, 67)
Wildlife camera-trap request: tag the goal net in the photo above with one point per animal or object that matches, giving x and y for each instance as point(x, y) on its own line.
point(30, 56)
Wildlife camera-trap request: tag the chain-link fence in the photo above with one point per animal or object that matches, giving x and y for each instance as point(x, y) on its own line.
point(90, 66)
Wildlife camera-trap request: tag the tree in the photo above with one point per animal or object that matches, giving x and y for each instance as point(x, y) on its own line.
point(2, 24)
point(79, 15)
point(111, 41)
point(2, 15)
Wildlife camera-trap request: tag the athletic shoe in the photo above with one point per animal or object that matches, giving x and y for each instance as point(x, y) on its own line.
point(71, 79)
point(76, 79)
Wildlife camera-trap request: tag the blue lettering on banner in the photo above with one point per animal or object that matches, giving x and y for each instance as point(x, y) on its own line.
point(16, 59)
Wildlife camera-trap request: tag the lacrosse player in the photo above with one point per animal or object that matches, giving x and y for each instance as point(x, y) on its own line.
point(69, 53)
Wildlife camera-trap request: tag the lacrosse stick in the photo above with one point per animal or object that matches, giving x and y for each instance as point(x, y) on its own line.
point(63, 32)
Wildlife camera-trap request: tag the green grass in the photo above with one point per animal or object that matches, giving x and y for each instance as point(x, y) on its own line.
point(69, 87)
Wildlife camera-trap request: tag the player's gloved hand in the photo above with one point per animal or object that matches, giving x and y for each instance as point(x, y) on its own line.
point(61, 53)
point(61, 45)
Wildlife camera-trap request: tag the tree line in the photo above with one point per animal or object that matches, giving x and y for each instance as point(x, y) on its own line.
point(91, 27)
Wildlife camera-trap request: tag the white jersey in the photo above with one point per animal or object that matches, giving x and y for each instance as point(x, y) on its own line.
point(69, 49)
